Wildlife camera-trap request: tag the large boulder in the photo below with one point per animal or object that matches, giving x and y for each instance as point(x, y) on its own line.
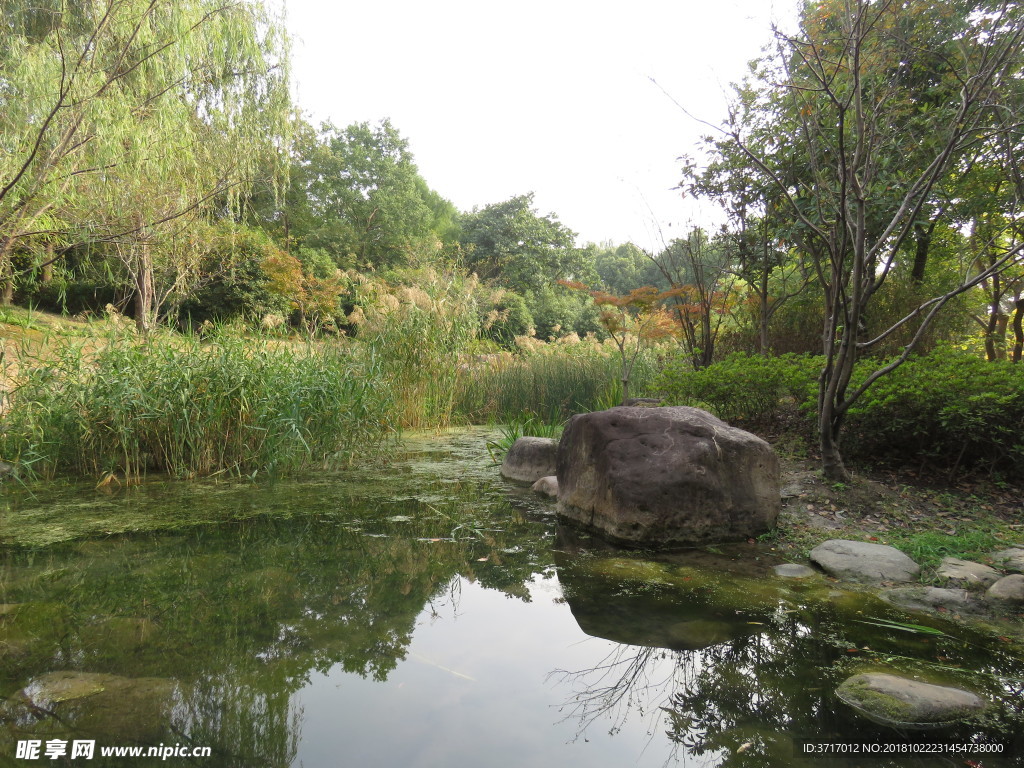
point(529, 459)
point(864, 562)
point(546, 486)
point(665, 477)
point(933, 599)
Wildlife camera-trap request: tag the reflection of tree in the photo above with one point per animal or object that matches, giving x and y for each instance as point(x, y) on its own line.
point(628, 679)
point(242, 613)
point(743, 697)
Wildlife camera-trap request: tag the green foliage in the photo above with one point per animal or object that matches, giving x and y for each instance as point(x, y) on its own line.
point(508, 318)
point(949, 409)
point(510, 243)
point(624, 268)
point(357, 195)
point(557, 310)
point(236, 285)
point(742, 388)
point(185, 407)
point(122, 117)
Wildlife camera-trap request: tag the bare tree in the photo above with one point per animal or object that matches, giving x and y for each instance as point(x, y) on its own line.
point(875, 153)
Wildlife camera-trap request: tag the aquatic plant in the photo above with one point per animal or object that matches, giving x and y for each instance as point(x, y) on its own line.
point(548, 383)
point(416, 335)
point(189, 406)
point(524, 425)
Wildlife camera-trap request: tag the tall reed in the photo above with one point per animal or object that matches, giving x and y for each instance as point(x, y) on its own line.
point(417, 335)
point(188, 407)
point(550, 385)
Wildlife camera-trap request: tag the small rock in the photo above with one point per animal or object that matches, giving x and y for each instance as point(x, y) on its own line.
point(1009, 589)
point(864, 562)
point(932, 599)
point(7, 470)
point(546, 486)
point(1011, 559)
point(894, 700)
point(967, 573)
point(794, 571)
point(529, 459)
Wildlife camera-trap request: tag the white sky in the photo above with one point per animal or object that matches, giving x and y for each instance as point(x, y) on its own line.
point(549, 96)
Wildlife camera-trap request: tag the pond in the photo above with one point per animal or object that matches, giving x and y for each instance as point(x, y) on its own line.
point(422, 612)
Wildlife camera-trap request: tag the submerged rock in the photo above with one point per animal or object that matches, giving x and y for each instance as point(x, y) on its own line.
point(90, 702)
point(666, 477)
point(529, 459)
point(794, 571)
point(899, 701)
point(864, 562)
point(546, 486)
point(967, 573)
point(1008, 590)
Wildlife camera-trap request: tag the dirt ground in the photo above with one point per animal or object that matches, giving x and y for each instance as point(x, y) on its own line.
point(889, 507)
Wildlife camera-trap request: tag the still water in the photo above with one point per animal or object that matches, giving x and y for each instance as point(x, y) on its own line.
point(421, 612)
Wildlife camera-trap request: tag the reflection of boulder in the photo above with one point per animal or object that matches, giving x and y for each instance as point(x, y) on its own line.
point(666, 477)
point(637, 602)
point(138, 709)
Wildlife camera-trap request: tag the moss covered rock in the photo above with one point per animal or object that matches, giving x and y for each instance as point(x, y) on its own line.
point(906, 703)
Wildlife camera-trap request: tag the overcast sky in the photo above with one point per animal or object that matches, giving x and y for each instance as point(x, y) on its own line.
point(549, 96)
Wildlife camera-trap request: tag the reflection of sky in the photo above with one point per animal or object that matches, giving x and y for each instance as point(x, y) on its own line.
point(475, 689)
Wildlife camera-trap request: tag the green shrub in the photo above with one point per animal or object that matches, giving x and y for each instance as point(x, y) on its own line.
point(742, 388)
point(949, 409)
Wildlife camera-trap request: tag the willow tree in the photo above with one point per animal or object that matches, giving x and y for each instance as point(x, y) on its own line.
point(120, 116)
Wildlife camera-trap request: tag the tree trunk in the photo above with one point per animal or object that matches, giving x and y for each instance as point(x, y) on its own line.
point(922, 242)
point(832, 466)
point(6, 272)
point(144, 293)
point(1018, 329)
point(764, 308)
point(47, 275)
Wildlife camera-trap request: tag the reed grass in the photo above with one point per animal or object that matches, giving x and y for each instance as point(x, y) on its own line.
point(188, 407)
point(547, 387)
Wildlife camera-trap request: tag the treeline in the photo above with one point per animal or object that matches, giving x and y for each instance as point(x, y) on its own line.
point(870, 170)
point(153, 163)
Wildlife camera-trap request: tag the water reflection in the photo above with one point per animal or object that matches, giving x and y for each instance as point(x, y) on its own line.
point(735, 665)
point(425, 615)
